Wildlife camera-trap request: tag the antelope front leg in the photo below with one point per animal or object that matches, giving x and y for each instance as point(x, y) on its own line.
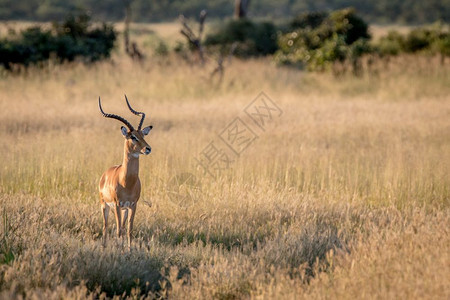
point(124, 222)
point(130, 223)
point(105, 213)
point(118, 220)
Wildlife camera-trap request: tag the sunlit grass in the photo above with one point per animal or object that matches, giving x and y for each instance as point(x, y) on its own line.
point(345, 194)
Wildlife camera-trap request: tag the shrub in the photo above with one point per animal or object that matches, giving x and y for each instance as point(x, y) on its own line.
point(333, 49)
point(429, 39)
point(74, 38)
point(418, 39)
point(391, 44)
point(442, 45)
point(433, 40)
point(323, 40)
point(250, 38)
point(308, 20)
point(161, 49)
point(348, 24)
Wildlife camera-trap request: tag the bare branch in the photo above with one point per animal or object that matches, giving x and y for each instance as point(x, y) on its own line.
point(193, 39)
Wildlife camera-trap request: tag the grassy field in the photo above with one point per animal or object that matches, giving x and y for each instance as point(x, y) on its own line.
point(343, 195)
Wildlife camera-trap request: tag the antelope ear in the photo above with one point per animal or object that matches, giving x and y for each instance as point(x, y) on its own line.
point(146, 130)
point(124, 131)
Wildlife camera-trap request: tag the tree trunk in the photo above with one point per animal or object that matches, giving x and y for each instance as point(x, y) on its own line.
point(241, 8)
point(126, 31)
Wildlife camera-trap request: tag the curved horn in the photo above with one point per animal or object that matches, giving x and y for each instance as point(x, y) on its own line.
point(130, 127)
point(136, 113)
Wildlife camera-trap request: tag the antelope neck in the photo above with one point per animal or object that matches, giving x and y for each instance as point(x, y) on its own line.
point(130, 166)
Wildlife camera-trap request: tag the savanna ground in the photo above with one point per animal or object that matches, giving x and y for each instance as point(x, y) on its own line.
point(345, 195)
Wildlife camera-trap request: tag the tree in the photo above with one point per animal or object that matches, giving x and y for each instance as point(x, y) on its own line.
point(195, 40)
point(132, 50)
point(241, 8)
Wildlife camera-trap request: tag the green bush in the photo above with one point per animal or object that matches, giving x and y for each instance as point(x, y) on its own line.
point(433, 39)
point(308, 20)
point(348, 24)
point(418, 39)
point(333, 49)
point(161, 49)
point(442, 45)
point(250, 38)
point(73, 39)
point(322, 40)
point(391, 44)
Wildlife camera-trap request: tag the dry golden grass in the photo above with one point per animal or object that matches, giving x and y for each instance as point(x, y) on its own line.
point(346, 195)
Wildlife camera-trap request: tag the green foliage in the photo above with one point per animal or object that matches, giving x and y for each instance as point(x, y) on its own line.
point(70, 40)
point(442, 45)
point(308, 20)
point(418, 39)
point(161, 49)
point(346, 23)
point(333, 49)
point(250, 38)
point(338, 37)
point(387, 11)
point(434, 39)
point(391, 44)
point(342, 37)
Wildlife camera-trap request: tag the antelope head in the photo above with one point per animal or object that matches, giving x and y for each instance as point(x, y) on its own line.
point(135, 138)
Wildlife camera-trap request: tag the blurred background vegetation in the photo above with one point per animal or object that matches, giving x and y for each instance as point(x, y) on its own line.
point(308, 35)
point(382, 11)
point(72, 39)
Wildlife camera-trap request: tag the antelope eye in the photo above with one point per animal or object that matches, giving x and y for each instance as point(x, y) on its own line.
point(133, 138)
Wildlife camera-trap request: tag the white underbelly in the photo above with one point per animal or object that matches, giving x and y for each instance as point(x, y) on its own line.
point(122, 204)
